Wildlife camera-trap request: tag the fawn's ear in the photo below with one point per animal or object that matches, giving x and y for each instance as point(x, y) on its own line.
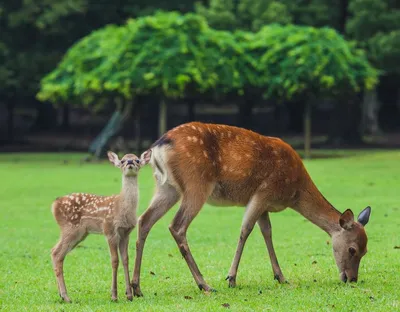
point(363, 217)
point(114, 159)
point(346, 220)
point(145, 157)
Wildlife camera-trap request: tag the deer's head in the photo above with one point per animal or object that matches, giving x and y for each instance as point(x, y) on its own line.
point(350, 243)
point(129, 164)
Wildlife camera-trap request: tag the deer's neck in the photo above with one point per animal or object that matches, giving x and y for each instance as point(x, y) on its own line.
point(314, 206)
point(129, 194)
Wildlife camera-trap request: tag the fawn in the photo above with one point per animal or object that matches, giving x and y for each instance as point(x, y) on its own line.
point(230, 166)
point(80, 214)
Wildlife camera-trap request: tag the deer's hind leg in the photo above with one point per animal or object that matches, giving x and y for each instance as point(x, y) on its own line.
point(69, 239)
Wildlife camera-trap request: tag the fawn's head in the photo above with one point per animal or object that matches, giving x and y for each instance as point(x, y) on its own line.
point(129, 164)
point(350, 243)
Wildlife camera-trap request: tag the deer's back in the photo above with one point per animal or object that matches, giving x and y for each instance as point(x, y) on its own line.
point(237, 162)
point(84, 209)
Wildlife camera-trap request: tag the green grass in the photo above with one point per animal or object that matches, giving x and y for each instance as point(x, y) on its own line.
point(30, 182)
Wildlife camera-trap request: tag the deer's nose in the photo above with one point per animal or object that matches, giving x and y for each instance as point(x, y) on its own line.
point(130, 162)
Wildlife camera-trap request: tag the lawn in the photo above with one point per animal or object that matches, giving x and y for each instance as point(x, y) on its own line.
point(30, 182)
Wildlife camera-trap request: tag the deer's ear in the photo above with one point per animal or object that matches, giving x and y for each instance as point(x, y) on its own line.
point(364, 215)
point(113, 158)
point(145, 157)
point(346, 220)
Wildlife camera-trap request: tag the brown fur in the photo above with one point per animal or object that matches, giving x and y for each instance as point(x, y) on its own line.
point(226, 165)
point(80, 214)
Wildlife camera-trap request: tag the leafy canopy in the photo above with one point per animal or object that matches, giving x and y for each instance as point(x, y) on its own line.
point(295, 60)
point(167, 53)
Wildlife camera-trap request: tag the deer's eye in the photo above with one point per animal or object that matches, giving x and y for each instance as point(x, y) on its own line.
point(122, 161)
point(352, 251)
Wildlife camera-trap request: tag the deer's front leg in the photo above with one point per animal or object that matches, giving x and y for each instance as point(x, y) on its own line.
point(265, 227)
point(166, 196)
point(114, 263)
point(253, 212)
point(123, 250)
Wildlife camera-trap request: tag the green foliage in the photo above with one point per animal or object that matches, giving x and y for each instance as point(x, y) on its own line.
point(167, 53)
point(85, 68)
point(244, 14)
point(376, 26)
point(298, 60)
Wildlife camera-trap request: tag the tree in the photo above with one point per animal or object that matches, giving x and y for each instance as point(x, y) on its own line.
point(307, 63)
point(167, 54)
point(376, 27)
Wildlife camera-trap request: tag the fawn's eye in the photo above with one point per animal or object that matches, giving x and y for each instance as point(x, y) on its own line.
point(122, 161)
point(137, 161)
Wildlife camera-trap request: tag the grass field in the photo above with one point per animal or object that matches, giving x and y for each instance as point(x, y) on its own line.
point(29, 183)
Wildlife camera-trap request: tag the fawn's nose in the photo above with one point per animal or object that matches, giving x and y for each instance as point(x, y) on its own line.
point(130, 162)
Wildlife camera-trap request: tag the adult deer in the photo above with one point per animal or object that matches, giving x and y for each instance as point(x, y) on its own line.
point(229, 166)
point(80, 214)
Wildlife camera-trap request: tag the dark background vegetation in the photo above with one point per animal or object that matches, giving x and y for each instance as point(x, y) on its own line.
point(35, 35)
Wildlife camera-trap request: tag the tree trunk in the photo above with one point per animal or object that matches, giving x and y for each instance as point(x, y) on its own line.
point(162, 117)
point(113, 127)
point(370, 109)
point(65, 121)
point(307, 130)
point(10, 120)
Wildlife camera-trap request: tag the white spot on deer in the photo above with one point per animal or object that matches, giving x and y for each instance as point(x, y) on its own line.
point(193, 127)
point(222, 135)
point(229, 134)
point(219, 158)
point(275, 152)
point(189, 138)
point(84, 198)
point(201, 142)
point(225, 168)
point(188, 154)
point(205, 154)
point(194, 139)
point(248, 155)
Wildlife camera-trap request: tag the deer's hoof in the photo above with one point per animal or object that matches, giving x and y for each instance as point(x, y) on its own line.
point(231, 281)
point(280, 278)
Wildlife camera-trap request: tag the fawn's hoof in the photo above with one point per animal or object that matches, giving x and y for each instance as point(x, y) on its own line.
point(129, 297)
point(231, 281)
point(280, 278)
point(65, 298)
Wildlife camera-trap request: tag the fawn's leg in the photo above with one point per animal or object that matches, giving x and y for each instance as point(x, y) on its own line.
point(192, 202)
point(113, 244)
point(68, 240)
point(165, 197)
point(254, 209)
point(123, 250)
point(265, 227)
